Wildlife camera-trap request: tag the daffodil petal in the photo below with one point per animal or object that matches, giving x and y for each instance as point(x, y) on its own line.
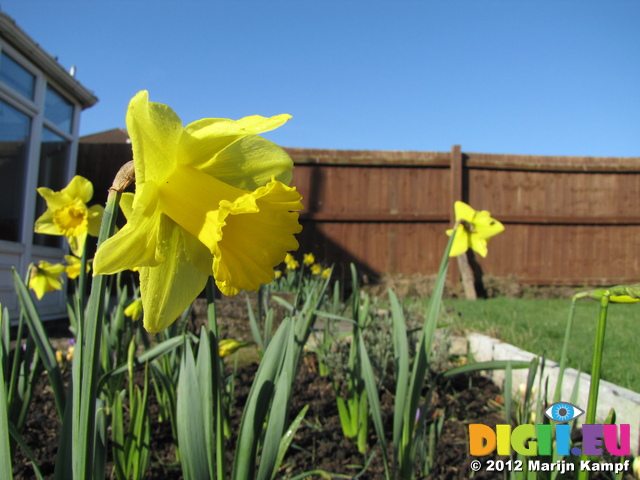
point(54, 199)
point(44, 224)
point(79, 187)
point(126, 204)
point(460, 242)
point(230, 151)
point(155, 130)
point(251, 163)
point(463, 211)
point(485, 226)
point(94, 219)
point(40, 286)
point(76, 244)
point(45, 278)
point(170, 287)
point(137, 243)
point(479, 244)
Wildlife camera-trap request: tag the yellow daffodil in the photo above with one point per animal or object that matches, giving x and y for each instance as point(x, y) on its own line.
point(473, 230)
point(211, 199)
point(227, 346)
point(73, 266)
point(45, 278)
point(308, 259)
point(69, 355)
point(277, 274)
point(59, 356)
point(67, 213)
point(291, 262)
point(316, 269)
point(325, 273)
point(134, 310)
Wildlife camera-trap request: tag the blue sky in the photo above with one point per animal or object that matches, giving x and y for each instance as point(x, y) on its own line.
point(543, 77)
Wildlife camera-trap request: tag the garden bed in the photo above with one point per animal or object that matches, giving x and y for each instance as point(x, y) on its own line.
point(319, 444)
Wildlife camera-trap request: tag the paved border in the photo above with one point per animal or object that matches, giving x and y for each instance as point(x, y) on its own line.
point(625, 402)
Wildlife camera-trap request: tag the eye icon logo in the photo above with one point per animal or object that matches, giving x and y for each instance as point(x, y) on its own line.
point(563, 412)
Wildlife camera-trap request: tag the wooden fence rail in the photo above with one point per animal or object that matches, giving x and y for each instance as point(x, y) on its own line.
point(569, 220)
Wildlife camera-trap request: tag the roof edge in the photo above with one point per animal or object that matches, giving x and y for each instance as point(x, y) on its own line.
point(22, 42)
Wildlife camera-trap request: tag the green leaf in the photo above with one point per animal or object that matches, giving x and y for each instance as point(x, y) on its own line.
point(374, 402)
point(401, 353)
point(151, 354)
point(489, 365)
point(275, 427)
point(255, 329)
point(26, 450)
point(287, 438)
point(47, 354)
point(191, 436)
point(117, 437)
point(5, 449)
point(256, 408)
point(206, 379)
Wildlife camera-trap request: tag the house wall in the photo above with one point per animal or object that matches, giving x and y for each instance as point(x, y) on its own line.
point(41, 105)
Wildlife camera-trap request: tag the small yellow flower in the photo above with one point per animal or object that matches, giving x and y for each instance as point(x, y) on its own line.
point(70, 351)
point(473, 230)
point(134, 310)
point(308, 259)
point(45, 278)
point(325, 273)
point(228, 346)
point(73, 266)
point(291, 262)
point(316, 269)
point(67, 213)
point(278, 274)
point(211, 199)
point(59, 357)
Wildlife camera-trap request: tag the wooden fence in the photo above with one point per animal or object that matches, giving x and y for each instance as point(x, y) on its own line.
point(569, 220)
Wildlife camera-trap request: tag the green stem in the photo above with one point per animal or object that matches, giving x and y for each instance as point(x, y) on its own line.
point(82, 282)
point(565, 351)
point(595, 371)
point(86, 371)
point(217, 380)
point(597, 361)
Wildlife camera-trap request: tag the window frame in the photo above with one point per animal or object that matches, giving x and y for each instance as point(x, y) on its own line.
point(34, 108)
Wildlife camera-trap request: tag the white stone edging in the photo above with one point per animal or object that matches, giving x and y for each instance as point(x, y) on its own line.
point(625, 402)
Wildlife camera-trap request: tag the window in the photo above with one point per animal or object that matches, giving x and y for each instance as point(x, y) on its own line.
point(14, 149)
point(29, 98)
point(54, 153)
point(16, 76)
point(58, 110)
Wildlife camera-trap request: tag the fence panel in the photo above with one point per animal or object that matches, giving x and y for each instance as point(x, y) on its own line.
point(569, 220)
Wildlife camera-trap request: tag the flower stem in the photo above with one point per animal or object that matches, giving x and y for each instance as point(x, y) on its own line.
point(87, 363)
point(595, 371)
point(217, 380)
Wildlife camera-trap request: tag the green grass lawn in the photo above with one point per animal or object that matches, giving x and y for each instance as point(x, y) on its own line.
point(538, 326)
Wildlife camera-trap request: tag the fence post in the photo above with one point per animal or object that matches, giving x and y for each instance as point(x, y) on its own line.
point(460, 268)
